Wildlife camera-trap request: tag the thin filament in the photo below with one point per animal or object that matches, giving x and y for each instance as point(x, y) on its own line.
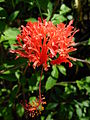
point(40, 87)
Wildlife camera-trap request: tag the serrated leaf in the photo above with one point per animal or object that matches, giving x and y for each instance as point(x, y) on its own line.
point(50, 83)
point(13, 16)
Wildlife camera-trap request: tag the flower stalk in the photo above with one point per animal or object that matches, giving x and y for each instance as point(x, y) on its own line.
point(44, 44)
point(40, 86)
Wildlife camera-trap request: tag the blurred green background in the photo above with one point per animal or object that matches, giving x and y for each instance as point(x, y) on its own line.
point(67, 90)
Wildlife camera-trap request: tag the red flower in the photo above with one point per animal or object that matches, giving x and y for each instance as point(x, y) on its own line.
point(35, 107)
point(42, 42)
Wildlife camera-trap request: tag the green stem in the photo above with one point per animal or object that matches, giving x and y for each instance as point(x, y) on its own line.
point(13, 4)
point(39, 10)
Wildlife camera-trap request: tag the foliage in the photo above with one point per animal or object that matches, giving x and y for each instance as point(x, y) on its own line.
point(67, 90)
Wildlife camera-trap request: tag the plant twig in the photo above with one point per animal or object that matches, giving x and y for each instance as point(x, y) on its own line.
point(84, 61)
point(66, 82)
point(81, 43)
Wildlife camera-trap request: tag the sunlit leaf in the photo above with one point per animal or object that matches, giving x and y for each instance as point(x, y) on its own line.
point(54, 72)
point(62, 69)
point(64, 9)
point(19, 110)
point(31, 19)
point(50, 83)
point(78, 111)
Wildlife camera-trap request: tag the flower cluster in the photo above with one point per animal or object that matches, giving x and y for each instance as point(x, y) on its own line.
point(43, 43)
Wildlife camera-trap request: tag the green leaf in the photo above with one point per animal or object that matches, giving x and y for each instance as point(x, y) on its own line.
point(42, 117)
point(78, 111)
point(84, 83)
point(3, 13)
point(50, 83)
point(6, 65)
point(2, 0)
point(54, 72)
point(17, 74)
point(13, 93)
point(32, 99)
point(62, 69)
point(19, 110)
point(2, 27)
point(79, 63)
point(69, 17)
point(11, 34)
point(70, 115)
point(57, 18)
point(13, 16)
point(9, 77)
point(85, 103)
point(42, 4)
point(49, 117)
point(31, 19)
point(7, 72)
point(51, 106)
point(70, 89)
point(64, 9)
point(49, 9)
point(89, 41)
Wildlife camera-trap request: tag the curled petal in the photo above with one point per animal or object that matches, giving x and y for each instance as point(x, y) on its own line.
point(40, 42)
